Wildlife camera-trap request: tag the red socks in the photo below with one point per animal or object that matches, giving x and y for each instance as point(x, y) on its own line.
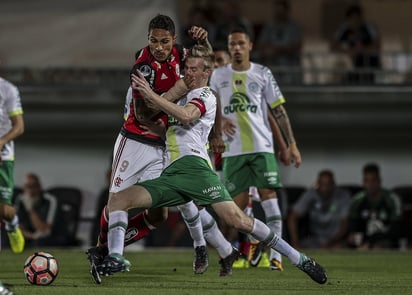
point(136, 230)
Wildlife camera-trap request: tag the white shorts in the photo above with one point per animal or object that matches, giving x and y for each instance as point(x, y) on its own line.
point(134, 162)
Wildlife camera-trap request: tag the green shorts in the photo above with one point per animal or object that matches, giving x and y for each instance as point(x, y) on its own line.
point(189, 178)
point(260, 170)
point(6, 182)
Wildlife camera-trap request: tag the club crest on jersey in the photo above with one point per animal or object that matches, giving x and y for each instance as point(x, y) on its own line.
point(145, 70)
point(239, 103)
point(253, 87)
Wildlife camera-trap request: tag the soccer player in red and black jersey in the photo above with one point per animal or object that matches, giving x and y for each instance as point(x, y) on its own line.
point(139, 149)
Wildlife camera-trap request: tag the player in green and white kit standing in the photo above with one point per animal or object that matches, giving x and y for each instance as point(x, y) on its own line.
point(246, 90)
point(11, 126)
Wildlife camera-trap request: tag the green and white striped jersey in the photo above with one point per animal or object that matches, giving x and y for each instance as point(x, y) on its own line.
point(245, 97)
point(190, 140)
point(10, 105)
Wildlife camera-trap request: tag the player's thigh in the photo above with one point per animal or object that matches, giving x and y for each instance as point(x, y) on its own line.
point(189, 178)
point(237, 174)
point(265, 171)
point(134, 162)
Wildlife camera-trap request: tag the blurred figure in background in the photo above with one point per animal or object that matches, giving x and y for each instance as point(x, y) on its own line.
point(360, 40)
point(375, 214)
point(229, 17)
point(280, 44)
point(327, 207)
point(37, 211)
point(11, 127)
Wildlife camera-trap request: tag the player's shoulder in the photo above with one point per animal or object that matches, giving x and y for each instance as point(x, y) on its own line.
point(7, 86)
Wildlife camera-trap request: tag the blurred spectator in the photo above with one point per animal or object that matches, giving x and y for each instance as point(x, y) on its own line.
point(38, 212)
point(198, 16)
point(375, 214)
point(361, 41)
point(222, 56)
point(229, 17)
point(327, 207)
point(280, 44)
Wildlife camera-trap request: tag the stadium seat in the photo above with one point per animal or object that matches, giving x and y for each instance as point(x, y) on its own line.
point(405, 194)
point(352, 188)
point(69, 200)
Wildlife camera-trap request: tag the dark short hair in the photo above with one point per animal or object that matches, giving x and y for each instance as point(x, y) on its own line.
point(243, 30)
point(353, 9)
point(163, 22)
point(371, 168)
point(327, 173)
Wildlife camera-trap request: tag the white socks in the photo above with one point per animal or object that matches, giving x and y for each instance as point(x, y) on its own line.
point(213, 235)
point(273, 221)
point(117, 228)
point(11, 225)
point(191, 217)
point(262, 233)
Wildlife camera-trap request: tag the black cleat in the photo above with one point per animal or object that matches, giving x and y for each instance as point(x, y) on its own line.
point(201, 261)
point(113, 263)
point(312, 269)
point(96, 256)
point(226, 263)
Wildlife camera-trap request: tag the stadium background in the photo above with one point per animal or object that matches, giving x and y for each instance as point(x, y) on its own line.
point(72, 119)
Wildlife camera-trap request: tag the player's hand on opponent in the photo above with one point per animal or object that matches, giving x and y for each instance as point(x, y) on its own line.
point(154, 128)
point(198, 33)
point(140, 84)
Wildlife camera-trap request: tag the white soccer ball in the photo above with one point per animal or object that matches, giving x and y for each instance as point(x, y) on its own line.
point(41, 268)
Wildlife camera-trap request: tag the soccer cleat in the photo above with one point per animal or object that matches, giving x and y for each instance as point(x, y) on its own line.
point(113, 263)
point(255, 253)
point(242, 262)
point(226, 263)
point(276, 265)
point(5, 289)
point(96, 256)
point(16, 241)
point(264, 260)
point(201, 261)
point(312, 269)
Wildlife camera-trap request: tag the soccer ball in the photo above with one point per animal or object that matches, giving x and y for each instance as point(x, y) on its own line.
point(41, 268)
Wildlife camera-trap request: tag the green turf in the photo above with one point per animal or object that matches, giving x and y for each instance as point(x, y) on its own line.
point(170, 272)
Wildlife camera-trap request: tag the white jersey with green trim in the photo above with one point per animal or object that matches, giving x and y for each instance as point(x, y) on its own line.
point(190, 140)
point(245, 97)
point(10, 105)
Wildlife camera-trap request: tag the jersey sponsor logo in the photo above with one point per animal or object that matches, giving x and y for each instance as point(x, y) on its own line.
point(239, 103)
point(164, 76)
point(212, 190)
point(130, 234)
point(145, 70)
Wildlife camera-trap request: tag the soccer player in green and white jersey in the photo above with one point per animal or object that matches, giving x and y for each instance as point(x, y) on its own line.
point(189, 175)
point(11, 126)
point(246, 90)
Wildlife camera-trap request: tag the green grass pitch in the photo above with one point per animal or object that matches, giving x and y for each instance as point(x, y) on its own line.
point(166, 271)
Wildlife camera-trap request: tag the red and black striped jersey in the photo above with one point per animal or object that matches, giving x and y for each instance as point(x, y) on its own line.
point(161, 76)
